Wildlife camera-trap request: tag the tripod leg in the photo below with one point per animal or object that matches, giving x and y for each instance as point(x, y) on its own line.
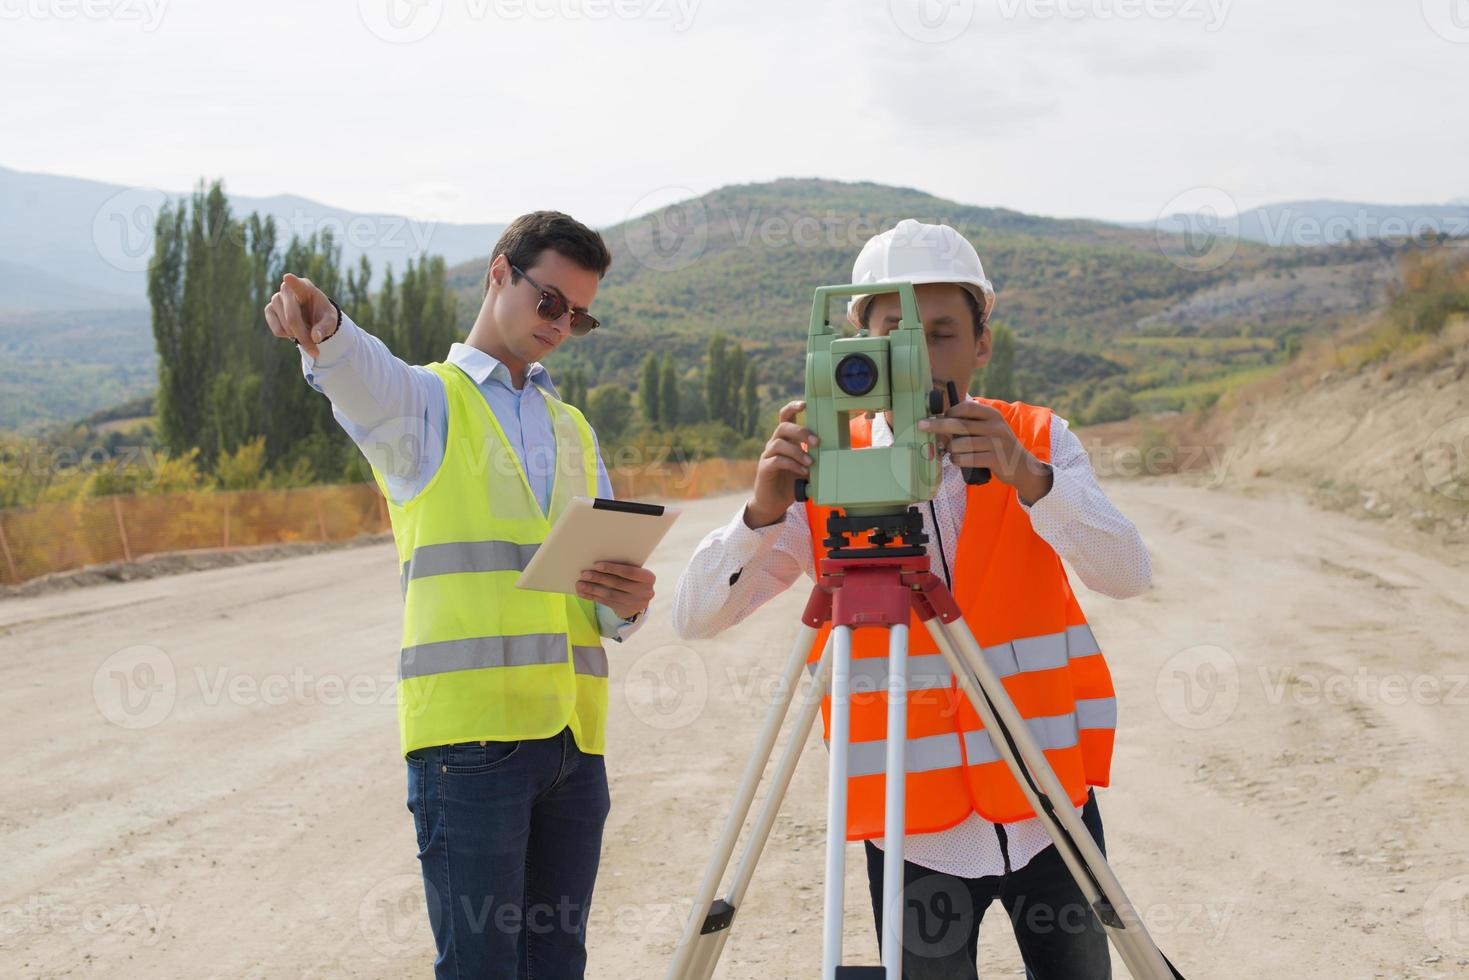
point(894, 814)
point(1043, 790)
point(712, 946)
point(836, 801)
point(744, 797)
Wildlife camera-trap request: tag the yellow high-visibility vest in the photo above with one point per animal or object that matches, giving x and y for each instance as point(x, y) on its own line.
point(482, 660)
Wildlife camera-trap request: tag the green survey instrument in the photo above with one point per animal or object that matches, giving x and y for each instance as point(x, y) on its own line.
point(864, 373)
point(860, 374)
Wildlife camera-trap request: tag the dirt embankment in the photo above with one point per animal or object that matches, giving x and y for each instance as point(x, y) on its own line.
point(1387, 440)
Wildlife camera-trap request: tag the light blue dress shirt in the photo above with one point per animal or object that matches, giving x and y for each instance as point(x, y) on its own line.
point(397, 415)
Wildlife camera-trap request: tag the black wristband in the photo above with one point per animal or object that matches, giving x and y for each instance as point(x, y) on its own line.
point(334, 329)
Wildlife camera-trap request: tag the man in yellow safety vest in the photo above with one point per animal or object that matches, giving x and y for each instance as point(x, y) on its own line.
point(502, 693)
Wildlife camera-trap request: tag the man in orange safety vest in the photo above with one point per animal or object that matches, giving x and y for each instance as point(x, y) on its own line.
point(971, 837)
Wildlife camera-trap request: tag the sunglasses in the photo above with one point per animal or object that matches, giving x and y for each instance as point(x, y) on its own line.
point(553, 306)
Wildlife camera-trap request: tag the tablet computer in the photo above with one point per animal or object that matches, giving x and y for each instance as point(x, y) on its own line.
point(596, 529)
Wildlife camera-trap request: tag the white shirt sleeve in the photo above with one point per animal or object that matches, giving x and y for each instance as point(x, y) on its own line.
point(1084, 527)
point(737, 569)
point(395, 412)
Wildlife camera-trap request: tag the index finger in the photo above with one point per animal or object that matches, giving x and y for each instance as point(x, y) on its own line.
point(635, 573)
point(791, 410)
point(295, 322)
point(300, 289)
point(972, 410)
point(947, 425)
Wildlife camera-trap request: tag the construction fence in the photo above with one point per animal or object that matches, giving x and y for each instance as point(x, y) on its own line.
point(57, 537)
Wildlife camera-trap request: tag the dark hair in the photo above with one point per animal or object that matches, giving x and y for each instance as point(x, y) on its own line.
point(523, 241)
point(975, 310)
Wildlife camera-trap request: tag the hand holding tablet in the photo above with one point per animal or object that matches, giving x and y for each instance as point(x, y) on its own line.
point(617, 535)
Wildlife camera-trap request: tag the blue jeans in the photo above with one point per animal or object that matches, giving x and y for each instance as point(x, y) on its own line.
point(509, 837)
point(1057, 931)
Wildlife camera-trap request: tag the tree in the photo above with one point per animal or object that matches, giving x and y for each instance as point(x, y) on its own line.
point(649, 391)
point(750, 401)
point(998, 378)
point(734, 377)
point(1110, 405)
point(609, 409)
point(574, 388)
point(204, 281)
point(724, 380)
point(223, 380)
point(715, 384)
point(176, 398)
point(244, 467)
point(359, 298)
point(427, 313)
point(668, 391)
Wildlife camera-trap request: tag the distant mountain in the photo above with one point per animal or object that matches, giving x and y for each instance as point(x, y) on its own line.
point(61, 366)
point(25, 288)
point(1096, 307)
point(1313, 223)
point(85, 244)
point(744, 259)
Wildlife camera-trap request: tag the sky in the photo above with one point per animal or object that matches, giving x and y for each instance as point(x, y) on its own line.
point(478, 110)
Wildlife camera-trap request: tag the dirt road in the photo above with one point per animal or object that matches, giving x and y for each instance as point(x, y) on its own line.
point(202, 776)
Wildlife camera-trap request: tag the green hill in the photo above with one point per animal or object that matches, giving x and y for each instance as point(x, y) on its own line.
point(1079, 294)
point(1106, 319)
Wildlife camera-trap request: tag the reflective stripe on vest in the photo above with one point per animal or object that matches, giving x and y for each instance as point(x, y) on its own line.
point(481, 660)
point(452, 557)
point(480, 652)
point(931, 671)
point(923, 755)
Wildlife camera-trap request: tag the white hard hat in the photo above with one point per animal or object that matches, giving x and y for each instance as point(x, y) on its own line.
point(918, 253)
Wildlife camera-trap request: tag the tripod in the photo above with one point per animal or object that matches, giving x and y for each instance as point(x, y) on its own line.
point(879, 585)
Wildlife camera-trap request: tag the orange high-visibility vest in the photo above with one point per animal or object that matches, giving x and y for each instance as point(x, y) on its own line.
point(1018, 602)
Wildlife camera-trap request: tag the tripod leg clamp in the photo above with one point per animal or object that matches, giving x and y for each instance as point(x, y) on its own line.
point(721, 916)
